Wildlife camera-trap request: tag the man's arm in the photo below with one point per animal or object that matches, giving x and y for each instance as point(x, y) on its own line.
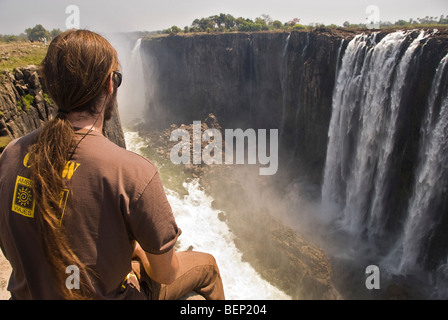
point(159, 267)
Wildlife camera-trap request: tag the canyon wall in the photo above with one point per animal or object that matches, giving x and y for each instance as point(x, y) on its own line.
point(261, 80)
point(363, 115)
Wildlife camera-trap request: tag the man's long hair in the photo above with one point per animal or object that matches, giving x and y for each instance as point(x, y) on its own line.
point(75, 73)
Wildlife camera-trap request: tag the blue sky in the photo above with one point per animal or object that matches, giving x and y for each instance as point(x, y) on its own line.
point(148, 15)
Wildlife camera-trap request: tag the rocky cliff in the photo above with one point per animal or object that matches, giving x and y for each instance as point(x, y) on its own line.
point(24, 107)
point(248, 80)
point(261, 80)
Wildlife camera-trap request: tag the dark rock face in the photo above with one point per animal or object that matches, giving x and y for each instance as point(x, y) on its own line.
point(25, 107)
point(260, 80)
point(17, 119)
point(113, 130)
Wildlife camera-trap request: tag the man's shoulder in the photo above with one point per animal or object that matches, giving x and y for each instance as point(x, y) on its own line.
point(136, 159)
point(126, 159)
point(22, 142)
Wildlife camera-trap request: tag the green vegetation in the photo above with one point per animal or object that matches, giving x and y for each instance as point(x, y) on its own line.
point(19, 54)
point(4, 142)
point(37, 33)
point(426, 22)
point(8, 38)
point(25, 49)
point(228, 23)
point(28, 100)
point(47, 98)
point(25, 103)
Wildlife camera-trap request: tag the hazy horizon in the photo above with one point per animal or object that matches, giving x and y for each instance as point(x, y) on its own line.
point(136, 15)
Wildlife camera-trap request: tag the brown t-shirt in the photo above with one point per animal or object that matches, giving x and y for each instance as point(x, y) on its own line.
point(111, 198)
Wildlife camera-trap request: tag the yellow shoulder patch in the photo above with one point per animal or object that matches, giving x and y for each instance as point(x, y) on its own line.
point(23, 201)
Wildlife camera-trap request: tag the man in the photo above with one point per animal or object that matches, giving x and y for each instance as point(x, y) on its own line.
point(76, 208)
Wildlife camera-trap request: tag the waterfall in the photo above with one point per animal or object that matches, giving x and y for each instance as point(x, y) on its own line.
point(306, 45)
point(431, 178)
point(251, 76)
point(363, 142)
point(131, 97)
point(283, 82)
point(366, 102)
point(342, 125)
point(377, 219)
point(337, 58)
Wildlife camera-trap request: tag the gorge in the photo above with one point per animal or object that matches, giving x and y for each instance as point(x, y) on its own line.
point(362, 131)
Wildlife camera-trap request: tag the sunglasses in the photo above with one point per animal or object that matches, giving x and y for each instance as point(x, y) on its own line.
point(119, 77)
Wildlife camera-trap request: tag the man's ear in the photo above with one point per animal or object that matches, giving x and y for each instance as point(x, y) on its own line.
point(110, 84)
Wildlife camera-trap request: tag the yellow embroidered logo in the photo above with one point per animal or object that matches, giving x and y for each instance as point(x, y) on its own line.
point(69, 169)
point(23, 202)
point(67, 173)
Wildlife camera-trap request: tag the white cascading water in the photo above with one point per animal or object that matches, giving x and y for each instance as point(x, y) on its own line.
point(362, 129)
point(131, 95)
point(362, 138)
point(202, 229)
point(341, 126)
point(432, 177)
point(376, 222)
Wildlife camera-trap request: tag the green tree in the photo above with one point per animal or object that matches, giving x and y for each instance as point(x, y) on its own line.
point(401, 23)
point(300, 27)
point(174, 30)
point(55, 32)
point(10, 38)
point(38, 33)
point(203, 24)
point(229, 21)
point(261, 24)
point(246, 25)
point(277, 24)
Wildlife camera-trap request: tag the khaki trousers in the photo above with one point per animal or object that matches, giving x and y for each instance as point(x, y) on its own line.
point(198, 272)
